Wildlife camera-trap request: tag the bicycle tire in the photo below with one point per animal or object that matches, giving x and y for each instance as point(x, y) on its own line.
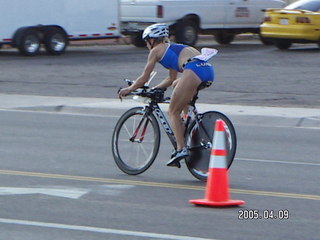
point(135, 157)
point(200, 143)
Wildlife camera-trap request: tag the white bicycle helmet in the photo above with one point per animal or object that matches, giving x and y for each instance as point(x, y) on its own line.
point(156, 31)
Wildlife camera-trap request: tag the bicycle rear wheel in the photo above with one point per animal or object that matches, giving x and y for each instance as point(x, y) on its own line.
point(200, 140)
point(135, 141)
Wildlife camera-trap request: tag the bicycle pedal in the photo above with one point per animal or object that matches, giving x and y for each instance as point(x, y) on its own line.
point(174, 164)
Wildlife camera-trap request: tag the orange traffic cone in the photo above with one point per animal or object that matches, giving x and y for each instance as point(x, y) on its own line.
point(217, 193)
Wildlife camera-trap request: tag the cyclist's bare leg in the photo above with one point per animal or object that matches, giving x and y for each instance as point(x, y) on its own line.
point(184, 90)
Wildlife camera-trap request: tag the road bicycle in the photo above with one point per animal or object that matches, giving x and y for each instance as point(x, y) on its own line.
point(136, 136)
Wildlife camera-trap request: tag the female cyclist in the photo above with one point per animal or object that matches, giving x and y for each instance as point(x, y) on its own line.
point(196, 73)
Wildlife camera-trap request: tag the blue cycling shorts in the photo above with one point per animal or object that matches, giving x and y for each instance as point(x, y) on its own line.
point(202, 69)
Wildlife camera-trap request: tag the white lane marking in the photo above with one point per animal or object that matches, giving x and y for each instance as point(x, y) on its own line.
point(111, 189)
point(278, 161)
point(73, 193)
point(66, 192)
point(99, 230)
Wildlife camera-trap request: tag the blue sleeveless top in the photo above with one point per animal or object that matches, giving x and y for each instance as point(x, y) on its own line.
point(170, 57)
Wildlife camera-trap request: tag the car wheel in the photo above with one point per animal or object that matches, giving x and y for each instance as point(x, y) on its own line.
point(223, 37)
point(265, 41)
point(186, 32)
point(283, 44)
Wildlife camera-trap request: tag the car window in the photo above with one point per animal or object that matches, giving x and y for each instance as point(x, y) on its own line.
point(313, 6)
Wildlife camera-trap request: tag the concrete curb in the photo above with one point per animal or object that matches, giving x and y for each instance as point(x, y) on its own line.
point(255, 115)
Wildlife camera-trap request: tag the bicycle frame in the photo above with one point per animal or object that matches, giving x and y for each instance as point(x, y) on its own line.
point(153, 107)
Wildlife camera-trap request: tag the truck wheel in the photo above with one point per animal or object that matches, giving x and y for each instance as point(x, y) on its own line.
point(186, 32)
point(137, 40)
point(283, 44)
point(55, 41)
point(29, 42)
point(223, 37)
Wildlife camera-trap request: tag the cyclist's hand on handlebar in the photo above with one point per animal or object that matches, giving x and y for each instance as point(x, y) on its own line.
point(124, 92)
point(159, 89)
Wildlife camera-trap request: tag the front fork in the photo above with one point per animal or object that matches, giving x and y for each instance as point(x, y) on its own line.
point(143, 122)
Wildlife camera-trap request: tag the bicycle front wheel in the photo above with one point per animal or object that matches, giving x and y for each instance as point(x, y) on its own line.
point(200, 142)
point(135, 141)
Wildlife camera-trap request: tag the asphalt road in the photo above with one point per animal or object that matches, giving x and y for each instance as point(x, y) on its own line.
point(58, 179)
point(247, 73)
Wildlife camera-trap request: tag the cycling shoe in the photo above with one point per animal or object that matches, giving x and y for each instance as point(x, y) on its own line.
point(177, 157)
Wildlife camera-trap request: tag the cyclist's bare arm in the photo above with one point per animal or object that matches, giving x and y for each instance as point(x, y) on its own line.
point(169, 80)
point(144, 77)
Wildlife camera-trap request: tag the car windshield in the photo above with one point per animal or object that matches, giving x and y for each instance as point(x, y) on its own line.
point(313, 5)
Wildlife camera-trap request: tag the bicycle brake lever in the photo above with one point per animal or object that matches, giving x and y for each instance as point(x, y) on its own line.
point(119, 95)
point(129, 82)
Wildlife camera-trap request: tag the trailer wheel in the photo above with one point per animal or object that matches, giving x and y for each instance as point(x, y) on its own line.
point(55, 41)
point(28, 42)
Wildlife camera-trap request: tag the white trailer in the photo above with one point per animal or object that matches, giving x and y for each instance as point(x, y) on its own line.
point(27, 25)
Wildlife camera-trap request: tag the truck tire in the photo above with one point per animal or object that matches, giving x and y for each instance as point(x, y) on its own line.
point(137, 40)
point(282, 44)
point(223, 37)
point(186, 32)
point(55, 41)
point(28, 41)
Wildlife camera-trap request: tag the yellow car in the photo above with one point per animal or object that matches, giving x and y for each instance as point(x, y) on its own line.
point(299, 22)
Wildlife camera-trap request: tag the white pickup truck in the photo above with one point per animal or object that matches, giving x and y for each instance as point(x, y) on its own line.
point(188, 18)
